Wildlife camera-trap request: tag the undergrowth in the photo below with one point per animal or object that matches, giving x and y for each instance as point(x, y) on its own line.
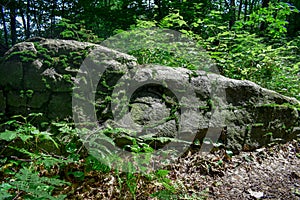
point(38, 162)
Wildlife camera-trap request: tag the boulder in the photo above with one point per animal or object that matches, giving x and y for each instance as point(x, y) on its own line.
point(238, 114)
point(38, 76)
point(156, 102)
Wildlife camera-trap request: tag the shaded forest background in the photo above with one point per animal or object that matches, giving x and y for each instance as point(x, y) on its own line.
point(256, 40)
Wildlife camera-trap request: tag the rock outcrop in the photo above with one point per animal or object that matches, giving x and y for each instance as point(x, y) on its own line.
point(156, 101)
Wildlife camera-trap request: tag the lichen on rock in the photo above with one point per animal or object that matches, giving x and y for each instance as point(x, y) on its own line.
point(242, 114)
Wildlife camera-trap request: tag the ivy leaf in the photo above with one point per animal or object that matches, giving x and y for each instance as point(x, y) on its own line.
point(8, 135)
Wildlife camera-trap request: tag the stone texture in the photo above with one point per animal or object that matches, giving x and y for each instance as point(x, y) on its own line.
point(241, 114)
point(155, 101)
point(47, 68)
point(14, 70)
point(2, 102)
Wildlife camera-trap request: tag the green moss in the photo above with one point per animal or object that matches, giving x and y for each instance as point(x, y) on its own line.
point(79, 57)
point(47, 63)
point(203, 107)
point(104, 84)
point(63, 63)
point(76, 58)
point(108, 99)
point(67, 77)
point(42, 52)
point(193, 75)
point(258, 125)
point(27, 93)
point(210, 104)
point(62, 57)
point(269, 134)
point(99, 92)
point(24, 56)
point(46, 83)
point(74, 54)
point(284, 105)
point(248, 128)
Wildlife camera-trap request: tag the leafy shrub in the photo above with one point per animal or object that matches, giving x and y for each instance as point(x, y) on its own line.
point(76, 31)
point(242, 54)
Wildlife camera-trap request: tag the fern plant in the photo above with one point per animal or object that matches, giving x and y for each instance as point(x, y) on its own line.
point(20, 128)
point(30, 185)
point(20, 166)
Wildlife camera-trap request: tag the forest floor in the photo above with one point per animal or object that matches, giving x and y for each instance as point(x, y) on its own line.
point(266, 173)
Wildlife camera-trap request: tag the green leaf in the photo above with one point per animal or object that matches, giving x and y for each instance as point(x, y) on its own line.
point(24, 137)
point(47, 136)
point(35, 114)
point(8, 135)
point(71, 147)
point(162, 173)
point(35, 186)
point(67, 34)
point(222, 27)
point(4, 187)
point(78, 174)
point(10, 122)
point(229, 153)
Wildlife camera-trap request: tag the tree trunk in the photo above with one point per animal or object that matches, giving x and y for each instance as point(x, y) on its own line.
point(265, 3)
point(251, 6)
point(21, 11)
point(13, 23)
point(63, 9)
point(240, 10)
point(232, 14)
point(38, 26)
point(28, 19)
point(158, 3)
point(52, 18)
point(4, 26)
point(246, 9)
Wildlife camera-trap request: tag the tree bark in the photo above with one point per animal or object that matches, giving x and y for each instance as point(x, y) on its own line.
point(52, 18)
point(265, 3)
point(21, 11)
point(63, 9)
point(4, 26)
point(251, 6)
point(240, 10)
point(246, 9)
point(38, 26)
point(28, 19)
point(13, 22)
point(159, 7)
point(232, 13)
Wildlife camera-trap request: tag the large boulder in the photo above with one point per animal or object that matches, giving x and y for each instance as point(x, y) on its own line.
point(38, 76)
point(157, 102)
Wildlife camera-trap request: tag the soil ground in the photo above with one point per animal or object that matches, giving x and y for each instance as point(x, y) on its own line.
point(266, 173)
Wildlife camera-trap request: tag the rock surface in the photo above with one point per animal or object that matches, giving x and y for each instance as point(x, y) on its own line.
point(155, 101)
